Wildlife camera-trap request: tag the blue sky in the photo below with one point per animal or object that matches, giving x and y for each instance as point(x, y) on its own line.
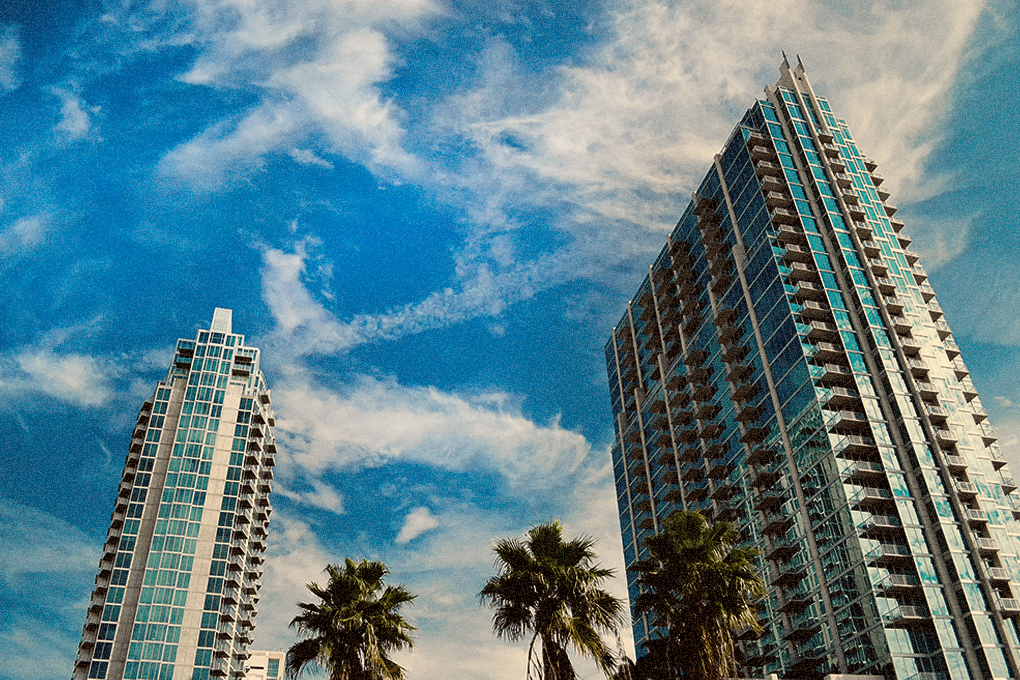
point(429, 214)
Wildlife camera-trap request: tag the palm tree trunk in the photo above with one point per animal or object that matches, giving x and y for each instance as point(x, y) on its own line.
point(555, 662)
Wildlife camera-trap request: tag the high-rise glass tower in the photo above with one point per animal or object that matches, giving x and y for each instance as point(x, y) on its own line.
point(785, 366)
point(177, 589)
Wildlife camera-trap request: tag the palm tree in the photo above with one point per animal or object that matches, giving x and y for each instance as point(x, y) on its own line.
point(351, 631)
point(700, 589)
point(551, 589)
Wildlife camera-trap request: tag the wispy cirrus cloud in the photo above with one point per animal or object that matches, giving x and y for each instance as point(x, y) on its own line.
point(24, 234)
point(50, 563)
point(318, 67)
point(610, 148)
point(10, 59)
point(305, 326)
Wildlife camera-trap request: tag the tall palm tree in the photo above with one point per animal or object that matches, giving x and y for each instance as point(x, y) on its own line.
point(355, 625)
point(700, 589)
point(551, 589)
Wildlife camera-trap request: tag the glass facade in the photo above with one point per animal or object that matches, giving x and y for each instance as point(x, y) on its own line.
point(785, 366)
point(177, 589)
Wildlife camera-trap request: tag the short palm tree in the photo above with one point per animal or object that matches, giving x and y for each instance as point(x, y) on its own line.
point(354, 627)
point(552, 589)
point(700, 589)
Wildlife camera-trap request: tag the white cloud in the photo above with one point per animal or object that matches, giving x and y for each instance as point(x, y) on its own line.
point(304, 326)
point(33, 543)
point(941, 240)
point(317, 64)
point(75, 122)
point(613, 144)
point(48, 368)
point(10, 59)
point(24, 234)
point(373, 422)
point(419, 521)
point(308, 157)
point(631, 131)
point(443, 550)
point(77, 379)
point(50, 563)
point(321, 495)
point(454, 638)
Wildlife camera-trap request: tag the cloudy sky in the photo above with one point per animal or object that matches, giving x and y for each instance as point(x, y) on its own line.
point(429, 213)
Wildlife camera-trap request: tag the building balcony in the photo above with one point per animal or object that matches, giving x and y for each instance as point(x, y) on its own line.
point(846, 422)
point(772, 183)
point(800, 271)
point(886, 285)
point(789, 575)
point(911, 347)
point(770, 499)
point(945, 436)
point(778, 199)
point(823, 330)
point(976, 517)
point(762, 455)
point(762, 152)
point(830, 150)
point(694, 474)
point(918, 368)
point(777, 522)
point(862, 228)
point(737, 373)
point(815, 310)
point(894, 584)
point(754, 435)
point(712, 431)
point(878, 266)
point(833, 373)
point(853, 445)
point(889, 552)
point(966, 489)
point(803, 632)
point(827, 351)
point(998, 460)
point(866, 495)
point(955, 463)
point(926, 389)
point(860, 471)
point(763, 168)
point(987, 546)
point(785, 221)
point(783, 548)
point(746, 392)
point(809, 290)
point(870, 247)
point(796, 253)
point(998, 574)
point(905, 616)
point(900, 323)
point(794, 603)
point(850, 196)
point(1009, 606)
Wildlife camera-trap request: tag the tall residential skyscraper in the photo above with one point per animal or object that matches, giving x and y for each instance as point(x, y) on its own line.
point(785, 366)
point(177, 589)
